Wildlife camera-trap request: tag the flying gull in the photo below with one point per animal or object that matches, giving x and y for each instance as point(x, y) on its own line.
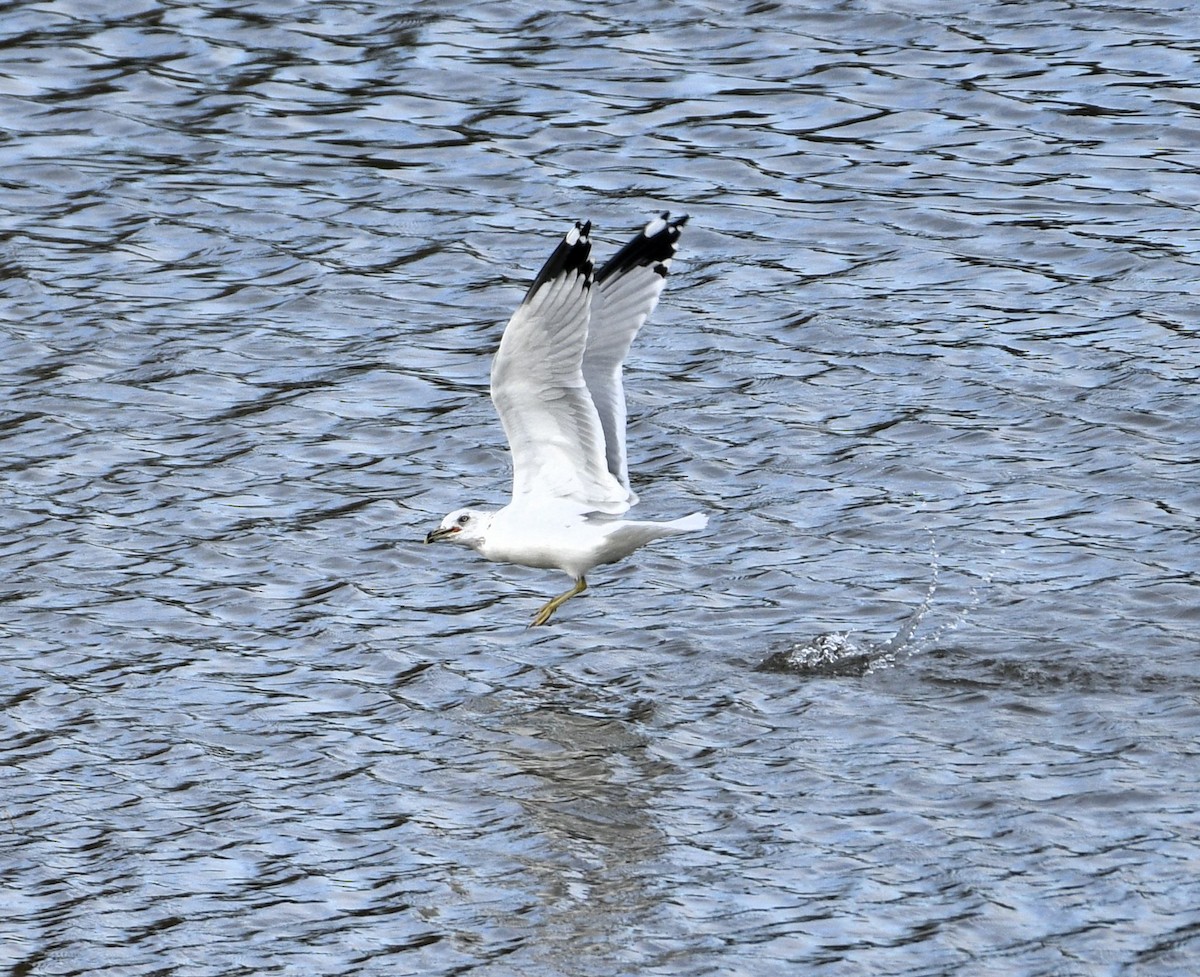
point(556, 384)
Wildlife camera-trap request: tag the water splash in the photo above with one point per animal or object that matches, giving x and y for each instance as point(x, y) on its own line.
point(839, 653)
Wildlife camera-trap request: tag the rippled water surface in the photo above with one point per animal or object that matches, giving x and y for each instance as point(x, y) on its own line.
point(923, 699)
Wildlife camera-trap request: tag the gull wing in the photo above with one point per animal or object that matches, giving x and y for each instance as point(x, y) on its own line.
point(627, 290)
point(553, 429)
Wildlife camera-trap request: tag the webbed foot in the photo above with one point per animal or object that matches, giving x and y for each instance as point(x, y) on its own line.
point(551, 606)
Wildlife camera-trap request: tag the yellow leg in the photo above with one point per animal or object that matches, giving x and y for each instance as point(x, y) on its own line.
point(553, 605)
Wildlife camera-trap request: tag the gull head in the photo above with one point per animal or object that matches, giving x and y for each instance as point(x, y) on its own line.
point(466, 526)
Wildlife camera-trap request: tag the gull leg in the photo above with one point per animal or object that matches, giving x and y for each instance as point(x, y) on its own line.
point(553, 605)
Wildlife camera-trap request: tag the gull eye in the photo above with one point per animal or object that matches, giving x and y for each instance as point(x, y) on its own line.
point(464, 519)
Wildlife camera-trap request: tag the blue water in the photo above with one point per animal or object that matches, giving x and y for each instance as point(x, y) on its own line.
point(923, 699)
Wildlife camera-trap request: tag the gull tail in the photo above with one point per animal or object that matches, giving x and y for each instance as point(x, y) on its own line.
point(626, 537)
point(687, 524)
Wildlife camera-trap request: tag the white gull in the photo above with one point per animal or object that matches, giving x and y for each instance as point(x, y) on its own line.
point(556, 384)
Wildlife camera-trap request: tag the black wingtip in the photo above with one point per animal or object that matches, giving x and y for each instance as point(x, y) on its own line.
point(653, 247)
point(573, 254)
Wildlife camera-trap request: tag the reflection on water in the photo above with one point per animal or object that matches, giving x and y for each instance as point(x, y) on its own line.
point(937, 284)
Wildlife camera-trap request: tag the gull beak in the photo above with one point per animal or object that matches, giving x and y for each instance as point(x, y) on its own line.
point(442, 532)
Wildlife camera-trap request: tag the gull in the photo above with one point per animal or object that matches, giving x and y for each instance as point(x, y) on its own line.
point(556, 384)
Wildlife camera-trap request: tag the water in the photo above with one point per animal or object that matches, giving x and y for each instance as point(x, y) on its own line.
point(928, 359)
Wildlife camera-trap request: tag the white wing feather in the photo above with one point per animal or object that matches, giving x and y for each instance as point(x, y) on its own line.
point(627, 290)
point(553, 429)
